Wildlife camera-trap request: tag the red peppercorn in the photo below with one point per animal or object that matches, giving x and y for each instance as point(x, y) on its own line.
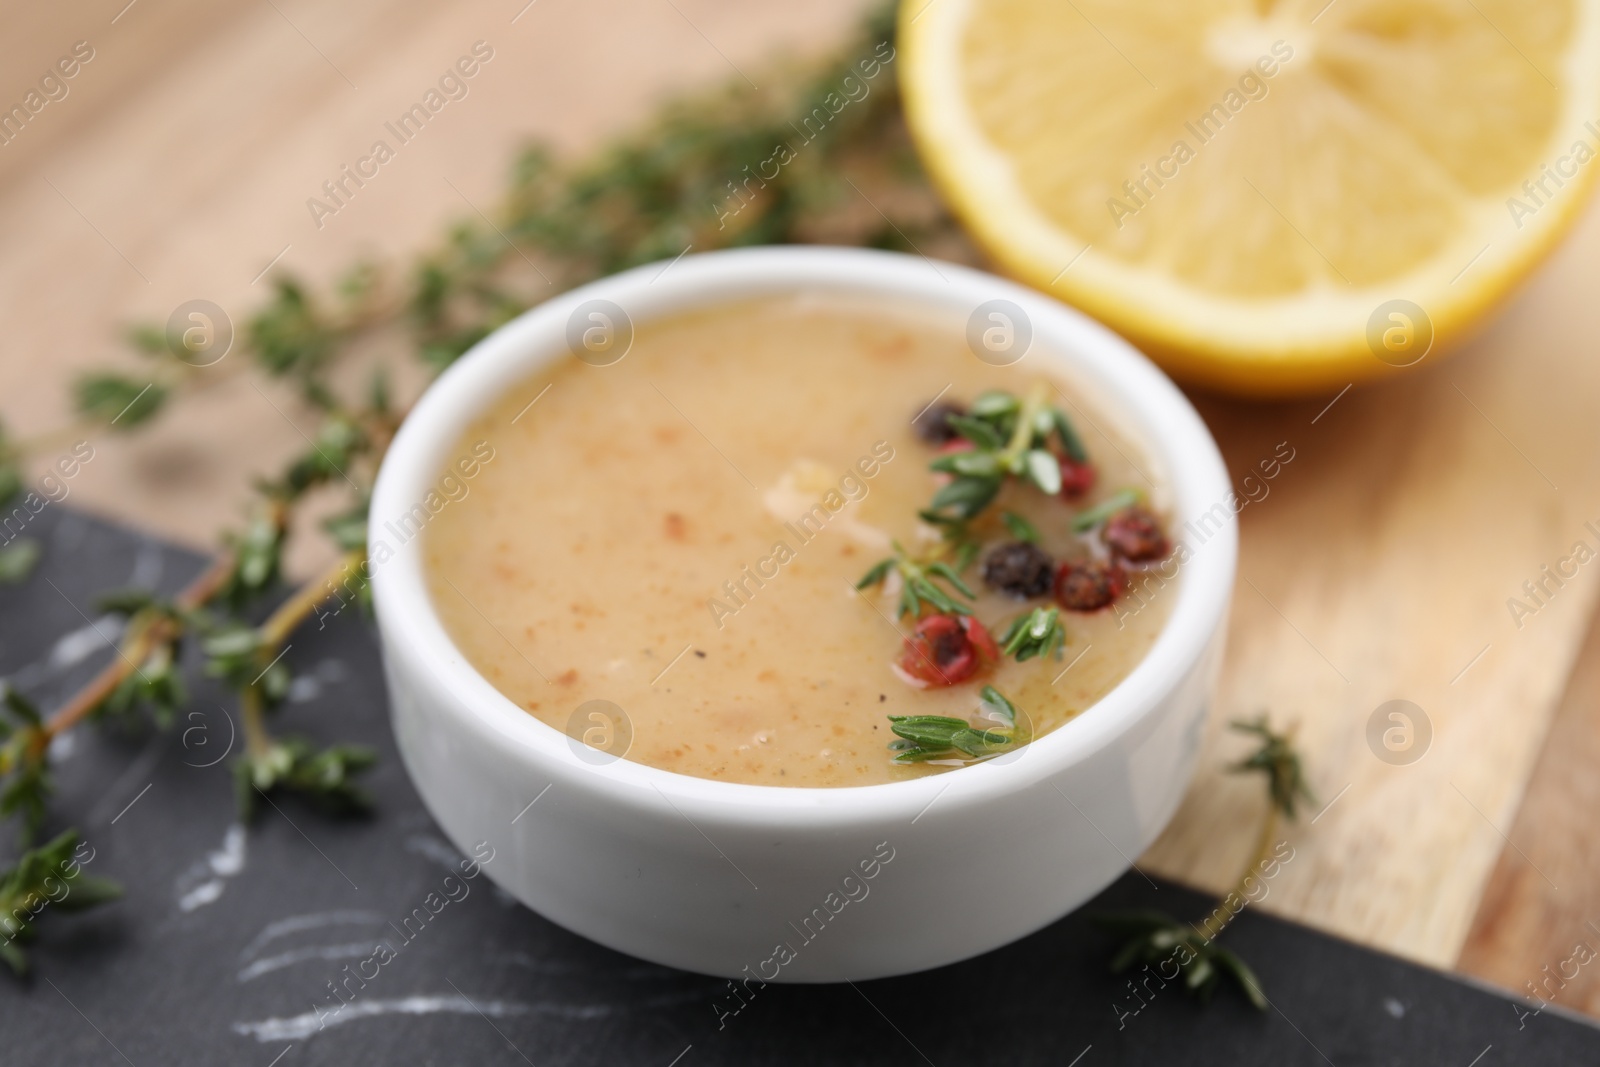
point(948, 649)
point(1135, 535)
point(1089, 586)
point(1076, 478)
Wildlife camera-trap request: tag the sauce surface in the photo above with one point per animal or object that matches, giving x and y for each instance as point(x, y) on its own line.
point(679, 534)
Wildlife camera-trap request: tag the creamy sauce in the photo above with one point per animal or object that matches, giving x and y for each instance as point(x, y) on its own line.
point(647, 533)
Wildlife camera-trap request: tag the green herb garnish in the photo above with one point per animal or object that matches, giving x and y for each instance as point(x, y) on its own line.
point(1085, 521)
point(1010, 439)
point(994, 704)
point(24, 770)
point(918, 584)
point(124, 403)
point(1278, 760)
point(1070, 441)
point(930, 737)
point(1038, 633)
point(1020, 528)
point(324, 777)
point(157, 686)
point(1154, 937)
point(47, 878)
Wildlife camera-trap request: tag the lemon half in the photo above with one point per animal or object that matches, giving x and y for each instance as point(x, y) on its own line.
point(1272, 198)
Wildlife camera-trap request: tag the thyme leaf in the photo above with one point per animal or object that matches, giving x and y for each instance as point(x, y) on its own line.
point(123, 402)
point(1038, 633)
point(994, 704)
point(979, 431)
point(1153, 937)
point(292, 765)
point(1044, 470)
point(24, 769)
point(49, 876)
point(929, 737)
point(1087, 520)
point(995, 405)
point(963, 498)
point(1071, 444)
point(1278, 760)
point(918, 587)
point(1020, 528)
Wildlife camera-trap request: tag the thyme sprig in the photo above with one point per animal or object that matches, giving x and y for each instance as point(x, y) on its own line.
point(49, 877)
point(918, 584)
point(24, 770)
point(19, 555)
point(1154, 937)
point(1011, 438)
point(156, 626)
point(1037, 633)
point(942, 737)
point(294, 765)
point(1278, 760)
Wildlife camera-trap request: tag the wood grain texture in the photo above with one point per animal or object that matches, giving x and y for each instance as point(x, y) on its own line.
point(1538, 929)
point(1377, 568)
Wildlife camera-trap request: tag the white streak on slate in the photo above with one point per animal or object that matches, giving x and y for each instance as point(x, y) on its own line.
point(300, 1027)
point(308, 687)
point(229, 861)
point(310, 921)
point(201, 895)
point(70, 649)
point(222, 864)
point(268, 964)
point(75, 647)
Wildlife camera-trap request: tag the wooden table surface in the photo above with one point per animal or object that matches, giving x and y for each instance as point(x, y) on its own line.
point(1378, 568)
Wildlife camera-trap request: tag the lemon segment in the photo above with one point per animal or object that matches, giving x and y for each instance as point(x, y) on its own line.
point(1241, 185)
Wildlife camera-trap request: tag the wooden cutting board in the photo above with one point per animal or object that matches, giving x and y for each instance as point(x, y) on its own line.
point(1378, 567)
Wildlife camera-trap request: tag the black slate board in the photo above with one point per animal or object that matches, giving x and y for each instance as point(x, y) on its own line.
point(223, 946)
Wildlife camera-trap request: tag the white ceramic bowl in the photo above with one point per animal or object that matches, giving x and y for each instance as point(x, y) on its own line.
point(805, 885)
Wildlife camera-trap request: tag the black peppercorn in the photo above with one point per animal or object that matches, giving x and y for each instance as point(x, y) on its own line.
point(1019, 570)
point(933, 423)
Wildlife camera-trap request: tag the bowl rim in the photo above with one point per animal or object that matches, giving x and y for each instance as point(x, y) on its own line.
point(1144, 396)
